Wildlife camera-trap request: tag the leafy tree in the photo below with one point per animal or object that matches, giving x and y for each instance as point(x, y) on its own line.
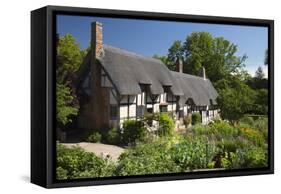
point(65, 107)
point(69, 59)
point(259, 73)
point(235, 98)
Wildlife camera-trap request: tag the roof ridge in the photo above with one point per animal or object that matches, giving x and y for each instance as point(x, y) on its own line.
point(131, 53)
point(186, 74)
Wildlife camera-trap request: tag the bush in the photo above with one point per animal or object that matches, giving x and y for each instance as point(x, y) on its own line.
point(194, 153)
point(113, 136)
point(253, 135)
point(247, 120)
point(152, 158)
point(261, 124)
point(249, 157)
point(166, 125)
point(187, 120)
point(200, 129)
point(222, 129)
point(94, 137)
point(196, 118)
point(133, 130)
point(74, 163)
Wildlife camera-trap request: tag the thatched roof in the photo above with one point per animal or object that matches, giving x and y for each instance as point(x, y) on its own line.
point(198, 89)
point(128, 70)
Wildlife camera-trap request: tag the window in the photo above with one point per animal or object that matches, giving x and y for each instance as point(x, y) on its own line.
point(140, 110)
point(113, 112)
point(171, 98)
point(163, 108)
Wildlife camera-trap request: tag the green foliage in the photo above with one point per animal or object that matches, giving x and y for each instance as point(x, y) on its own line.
point(259, 73)
point(249, 157)
point(64, 104)
point(75, 163)
point(187, 120)
point(196, 118)
point(261, 102)
point(133, 130)
point(235, 98)
point(113, 136)
point(222, 129)
point(193, 153)
point(199, 129)
point(166, 125)
point(247, 120)
point(152, 158)
point(94, 137)
point(69, 58)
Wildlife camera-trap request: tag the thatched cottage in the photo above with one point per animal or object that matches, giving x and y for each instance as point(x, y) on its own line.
point(115, 85)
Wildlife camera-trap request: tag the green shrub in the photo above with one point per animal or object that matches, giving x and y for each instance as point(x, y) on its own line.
point(113, 136)
point(94, 137)
point(74, 163)
point(133, 130)
point(152, 158)
point(187, 120)
point(166, 125)
point(222, 129)
point(196, 118)
point(200, 129)
point(249, 157)
point(247, 120)
point(194, 153)
point(261, 124)
point(253, 135)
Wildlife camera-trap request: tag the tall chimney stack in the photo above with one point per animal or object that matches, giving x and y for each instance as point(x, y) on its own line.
point(96, 39)
point(179, 65)
point(202, 73)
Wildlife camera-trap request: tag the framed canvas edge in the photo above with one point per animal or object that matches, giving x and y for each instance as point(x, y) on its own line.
point(50, 92)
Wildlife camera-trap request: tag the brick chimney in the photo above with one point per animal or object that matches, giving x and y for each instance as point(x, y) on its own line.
point(202, 73)
point(179, 65)
point(96, 39)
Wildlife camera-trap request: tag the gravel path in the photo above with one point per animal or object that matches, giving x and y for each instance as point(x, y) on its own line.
point(100, 149)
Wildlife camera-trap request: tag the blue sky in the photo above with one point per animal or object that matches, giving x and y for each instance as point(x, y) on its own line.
point(149, 37)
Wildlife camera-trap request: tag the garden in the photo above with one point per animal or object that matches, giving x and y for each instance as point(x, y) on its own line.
point(219, 145)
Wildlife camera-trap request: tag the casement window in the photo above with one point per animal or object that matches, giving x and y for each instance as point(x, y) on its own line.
point(113, 112)
point(140, 110)
point(171, 98)
point(163, 108)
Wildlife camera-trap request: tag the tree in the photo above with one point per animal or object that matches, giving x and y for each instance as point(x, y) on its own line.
point(64, 104)
point(259, 73)
point(201, 49)
point(69, 59)
point(175, 52)
point(235, 98)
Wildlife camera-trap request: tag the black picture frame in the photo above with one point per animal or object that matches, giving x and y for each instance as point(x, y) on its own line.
point(43, 52)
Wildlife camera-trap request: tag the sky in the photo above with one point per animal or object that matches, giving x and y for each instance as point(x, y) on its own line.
point(149, 37)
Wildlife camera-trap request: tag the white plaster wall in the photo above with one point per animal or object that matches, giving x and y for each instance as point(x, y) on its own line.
point(123, 111)
point(156, 107)
point(132, 110)
point(139, 99)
